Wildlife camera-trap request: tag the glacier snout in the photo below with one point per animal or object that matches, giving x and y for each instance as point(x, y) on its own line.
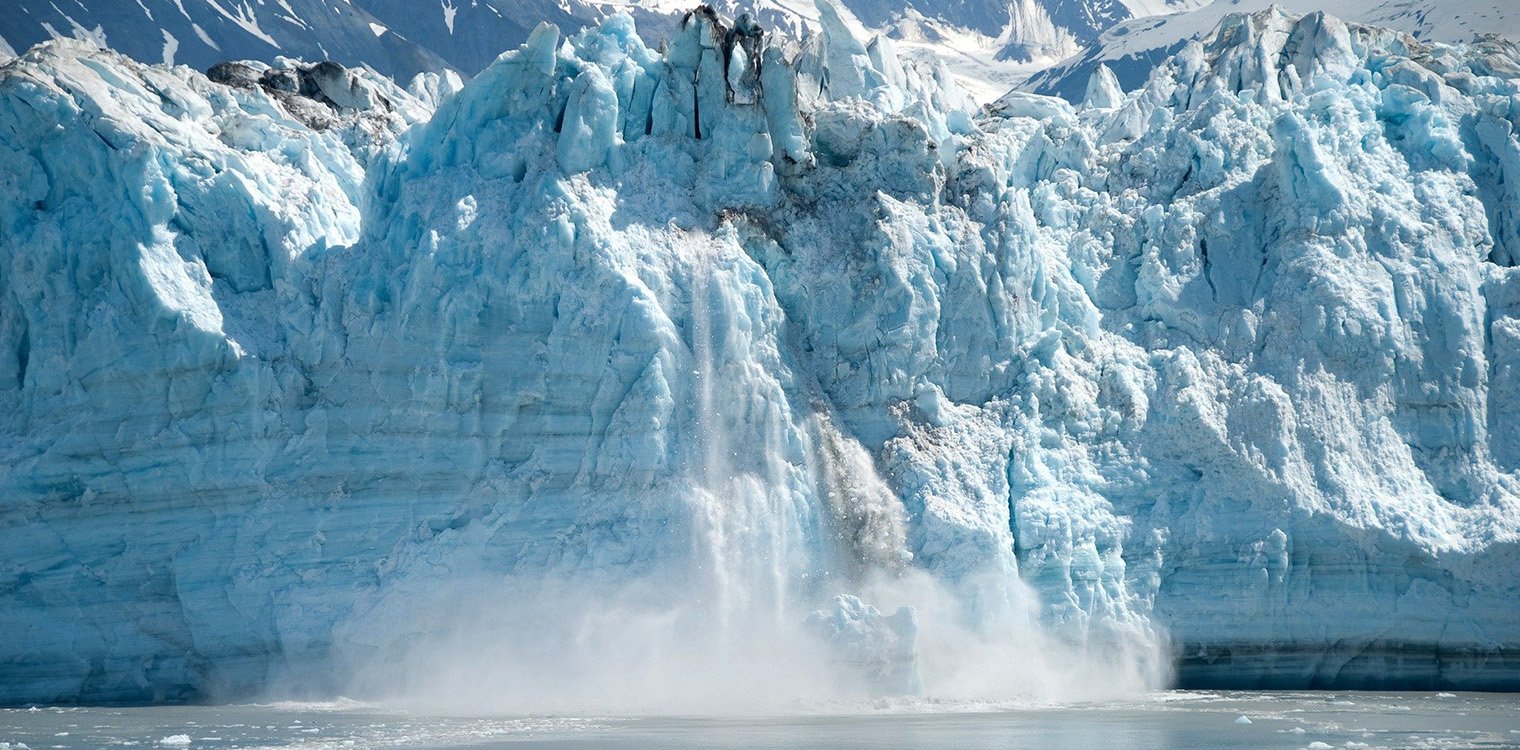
point(740, 331)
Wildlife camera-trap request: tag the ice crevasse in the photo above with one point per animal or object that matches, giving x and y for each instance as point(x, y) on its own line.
point(1232, 360)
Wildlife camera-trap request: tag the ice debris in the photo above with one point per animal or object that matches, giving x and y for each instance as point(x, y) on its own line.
point(877, 648)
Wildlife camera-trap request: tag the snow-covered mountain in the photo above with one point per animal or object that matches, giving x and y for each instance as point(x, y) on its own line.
point(1132, 49)
point(201, 33)
point(989, 42)
point(624, 372)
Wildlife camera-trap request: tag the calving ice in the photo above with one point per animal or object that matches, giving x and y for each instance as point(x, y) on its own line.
point(760, 370)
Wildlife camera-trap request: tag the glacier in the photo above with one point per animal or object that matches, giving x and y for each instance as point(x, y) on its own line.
point(1132, 48)
point(301, 368)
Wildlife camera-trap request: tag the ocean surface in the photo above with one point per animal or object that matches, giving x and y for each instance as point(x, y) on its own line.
point(1179, 719)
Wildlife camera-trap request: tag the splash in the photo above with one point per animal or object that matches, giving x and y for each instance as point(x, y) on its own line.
point(797, 587)
point(750, 515)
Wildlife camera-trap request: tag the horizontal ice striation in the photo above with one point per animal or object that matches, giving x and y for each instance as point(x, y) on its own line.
point(1232, 357)
point(164, 237)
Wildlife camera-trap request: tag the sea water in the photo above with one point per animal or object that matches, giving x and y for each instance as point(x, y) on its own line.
point(1177, 719)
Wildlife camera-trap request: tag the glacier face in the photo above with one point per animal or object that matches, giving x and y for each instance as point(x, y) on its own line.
point(754, 329)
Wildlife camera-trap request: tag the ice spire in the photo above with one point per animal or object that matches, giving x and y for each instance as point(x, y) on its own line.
point(1103, 90)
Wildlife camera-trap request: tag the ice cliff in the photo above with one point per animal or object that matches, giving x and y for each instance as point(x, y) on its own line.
point(1233, 360)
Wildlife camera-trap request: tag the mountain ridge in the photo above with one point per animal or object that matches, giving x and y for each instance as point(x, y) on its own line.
point(402, 39)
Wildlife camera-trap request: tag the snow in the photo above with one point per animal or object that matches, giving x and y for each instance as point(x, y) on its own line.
point(987, 66)
point(244, 17)
point(170, 46)
point(667, 352)
point(205, 38)
point(988, 46)
point(1133, 48)
point(217, 30)
point(1031, 34)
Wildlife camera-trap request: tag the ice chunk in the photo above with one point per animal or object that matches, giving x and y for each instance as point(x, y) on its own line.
point(1103, 90)
point(1035, 106)
point(339, 87)
point(590, 130)
point(879, 648)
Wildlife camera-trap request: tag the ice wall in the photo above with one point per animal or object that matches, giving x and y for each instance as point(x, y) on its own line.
point(752, 328)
